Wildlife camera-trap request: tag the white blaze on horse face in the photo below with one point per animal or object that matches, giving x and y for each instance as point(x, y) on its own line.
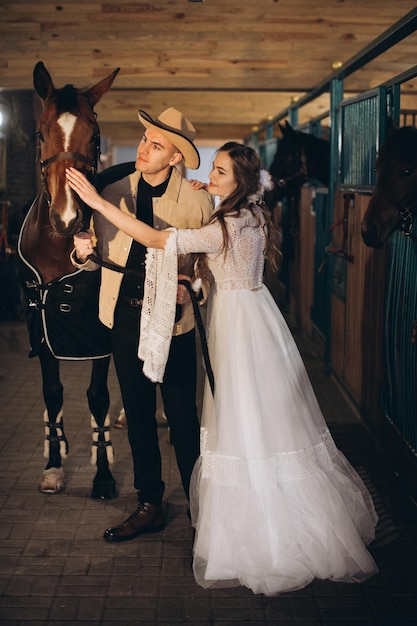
point(67, 122)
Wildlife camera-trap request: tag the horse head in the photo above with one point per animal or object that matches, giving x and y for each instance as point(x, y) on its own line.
point(289, 167)
point(68, 135)
point(299, 157)
point(394, 200)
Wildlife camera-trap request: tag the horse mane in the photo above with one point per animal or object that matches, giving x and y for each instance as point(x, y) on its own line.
point(311, 141)
point(400, 146)
point(67, 99)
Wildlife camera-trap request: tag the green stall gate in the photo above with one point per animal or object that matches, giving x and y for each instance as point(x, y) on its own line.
point(357, 129)
point(363, 127)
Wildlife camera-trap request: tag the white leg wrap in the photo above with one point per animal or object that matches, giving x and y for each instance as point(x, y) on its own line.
point(59, 433)
point(109, 448)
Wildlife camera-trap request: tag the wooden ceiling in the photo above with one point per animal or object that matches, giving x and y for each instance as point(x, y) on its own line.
point(227, 64)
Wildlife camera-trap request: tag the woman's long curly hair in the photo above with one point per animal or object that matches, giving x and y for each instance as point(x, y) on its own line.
point(246, 171)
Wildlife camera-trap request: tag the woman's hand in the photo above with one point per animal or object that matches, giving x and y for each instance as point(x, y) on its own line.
point(87, 192)
point(196, 184)
point(141, 232)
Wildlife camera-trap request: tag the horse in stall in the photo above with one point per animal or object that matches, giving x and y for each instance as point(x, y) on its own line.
point(62, 301)
point(299, 157)
point(393, 204)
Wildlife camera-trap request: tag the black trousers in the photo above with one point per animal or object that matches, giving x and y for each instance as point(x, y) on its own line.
point(178, 391)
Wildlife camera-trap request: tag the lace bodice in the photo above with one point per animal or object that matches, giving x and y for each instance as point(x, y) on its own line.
point(242, 267)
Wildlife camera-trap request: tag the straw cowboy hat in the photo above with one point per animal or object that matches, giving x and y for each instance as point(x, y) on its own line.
point(178, 130)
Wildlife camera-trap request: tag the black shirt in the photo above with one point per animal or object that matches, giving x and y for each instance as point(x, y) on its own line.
point(132, 284)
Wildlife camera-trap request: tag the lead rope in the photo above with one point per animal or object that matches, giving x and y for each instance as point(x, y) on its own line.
point(201, 330)
point(196, 308)
point(113, 266)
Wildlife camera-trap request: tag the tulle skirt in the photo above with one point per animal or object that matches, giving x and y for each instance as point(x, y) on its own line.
point(274, 503)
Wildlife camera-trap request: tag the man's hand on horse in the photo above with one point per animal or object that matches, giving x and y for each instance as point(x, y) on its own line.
point(83, 244)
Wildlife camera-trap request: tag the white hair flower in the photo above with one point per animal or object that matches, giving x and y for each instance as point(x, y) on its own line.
point(265, 184)
point(265, 181)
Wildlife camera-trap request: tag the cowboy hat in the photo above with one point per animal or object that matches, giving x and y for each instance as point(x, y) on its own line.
point(178, 130)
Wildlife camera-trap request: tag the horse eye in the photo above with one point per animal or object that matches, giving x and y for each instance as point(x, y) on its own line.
point(40, 136)
point(406, 172)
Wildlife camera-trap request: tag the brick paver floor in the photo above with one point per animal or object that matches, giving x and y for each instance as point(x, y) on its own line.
point(56, 569)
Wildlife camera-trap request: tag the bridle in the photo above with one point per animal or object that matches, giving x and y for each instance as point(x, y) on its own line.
point(301, 173)
point(405, 211)
point(76, 157)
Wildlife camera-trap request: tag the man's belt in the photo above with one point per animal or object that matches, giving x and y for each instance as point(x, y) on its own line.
point(134, 302)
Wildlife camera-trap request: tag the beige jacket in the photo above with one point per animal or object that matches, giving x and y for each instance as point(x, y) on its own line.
point(180, 206)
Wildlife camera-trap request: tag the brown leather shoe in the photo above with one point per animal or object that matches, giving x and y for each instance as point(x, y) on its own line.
point(148, 518)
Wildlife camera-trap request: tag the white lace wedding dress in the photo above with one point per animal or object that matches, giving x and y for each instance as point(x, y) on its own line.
point(274, 503)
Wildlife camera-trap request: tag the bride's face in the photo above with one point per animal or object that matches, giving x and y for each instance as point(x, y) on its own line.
point(222, 180)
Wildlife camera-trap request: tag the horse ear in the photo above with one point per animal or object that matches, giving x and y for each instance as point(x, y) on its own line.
point(287, 129)
point(42, 81)
point(94, 93)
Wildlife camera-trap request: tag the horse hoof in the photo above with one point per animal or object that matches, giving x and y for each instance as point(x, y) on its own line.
point(52, 480)
point(121, 421)
point(104, 491)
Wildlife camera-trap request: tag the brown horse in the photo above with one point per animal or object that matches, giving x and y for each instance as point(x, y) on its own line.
point(393, 204)
point(62, 302)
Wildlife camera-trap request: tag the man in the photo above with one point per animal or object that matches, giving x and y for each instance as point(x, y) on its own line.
point(158, 194)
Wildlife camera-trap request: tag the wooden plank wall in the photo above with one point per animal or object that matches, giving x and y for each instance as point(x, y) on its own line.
point(306, 260)
point(228, 64)
point(357, 321)
point(357, 332)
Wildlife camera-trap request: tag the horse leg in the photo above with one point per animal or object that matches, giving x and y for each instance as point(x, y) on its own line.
point(104, 485)
point(56, 445)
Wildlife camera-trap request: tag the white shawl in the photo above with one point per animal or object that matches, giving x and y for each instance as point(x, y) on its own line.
point(158, 310)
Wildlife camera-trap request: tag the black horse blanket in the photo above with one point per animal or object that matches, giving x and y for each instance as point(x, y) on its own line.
point(64, 314)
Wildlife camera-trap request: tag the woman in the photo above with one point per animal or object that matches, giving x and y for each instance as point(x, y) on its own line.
point(274, 503)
